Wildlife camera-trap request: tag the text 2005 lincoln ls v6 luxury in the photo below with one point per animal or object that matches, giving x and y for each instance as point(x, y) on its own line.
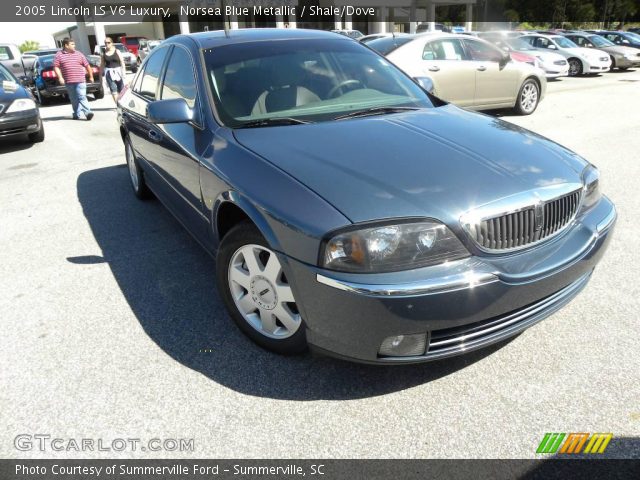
point(350, 210)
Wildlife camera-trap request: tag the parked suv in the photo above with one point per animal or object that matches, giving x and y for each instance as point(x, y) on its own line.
point(11, 58)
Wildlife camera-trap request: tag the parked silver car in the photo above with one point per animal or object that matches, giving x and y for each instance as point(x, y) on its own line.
point(621, 57)
point(471, 72)
point(581, 60)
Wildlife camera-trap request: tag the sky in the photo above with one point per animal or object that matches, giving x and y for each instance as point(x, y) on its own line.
point(41, 32)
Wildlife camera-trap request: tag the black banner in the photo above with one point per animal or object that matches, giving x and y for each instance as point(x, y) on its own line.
point(317, 469)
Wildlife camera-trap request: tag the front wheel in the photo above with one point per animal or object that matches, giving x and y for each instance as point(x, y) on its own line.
point(575, 67)
point(257, 293)
point(37, 137)
point(528, 97)
point(136, 175)
point(99, 94)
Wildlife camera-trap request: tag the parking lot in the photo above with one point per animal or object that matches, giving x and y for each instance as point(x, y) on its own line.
point(113, 328)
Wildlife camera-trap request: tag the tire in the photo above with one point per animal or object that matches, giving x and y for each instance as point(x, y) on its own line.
point(528, 97)
point(256, 292)
point(37, 137)
point(575, 66)
point(136, 174)
point(99, 94)
point(613, 64)
point(134, 68)
point(42, 100)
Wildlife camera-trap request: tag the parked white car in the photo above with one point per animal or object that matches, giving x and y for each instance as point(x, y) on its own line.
point(581, 60)
point(469, 72)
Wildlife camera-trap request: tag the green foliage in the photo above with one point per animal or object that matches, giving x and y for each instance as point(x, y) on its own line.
point(29, 45)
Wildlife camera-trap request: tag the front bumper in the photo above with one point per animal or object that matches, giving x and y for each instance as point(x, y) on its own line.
point(20, 123)
point(555, 71)
point(624, 62)
point(598, 66)
point(463, 306)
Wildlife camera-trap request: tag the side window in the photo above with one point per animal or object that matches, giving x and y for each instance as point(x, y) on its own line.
point(428, 53)
point(481, 52)
point(449, 49)
point(5, 53)
point(179, 81)
point(137, 81)
point(580, 41)
point(151, 74)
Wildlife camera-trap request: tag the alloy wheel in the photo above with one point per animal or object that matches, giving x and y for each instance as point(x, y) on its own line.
point(574, 67)
point(133, 169)
point(529, 97)
point(261, 292)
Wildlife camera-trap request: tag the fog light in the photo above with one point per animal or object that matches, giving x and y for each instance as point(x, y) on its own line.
point(404, 345)
point(32, 127)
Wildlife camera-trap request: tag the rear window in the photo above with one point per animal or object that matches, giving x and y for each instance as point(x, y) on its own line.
point(388, 44)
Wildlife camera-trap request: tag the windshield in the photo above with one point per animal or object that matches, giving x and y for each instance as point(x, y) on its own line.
point(121, 47)
point(47, 61)
point(307, 80)
point(518, 45)
point(599, 41)
point(134, 41)
point(632, 36)
point(564, 42)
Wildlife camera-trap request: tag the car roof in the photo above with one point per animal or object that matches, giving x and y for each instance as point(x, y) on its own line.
point(218, 38)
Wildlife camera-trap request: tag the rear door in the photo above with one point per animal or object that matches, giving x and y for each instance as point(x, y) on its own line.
point(444, 60)
point(495, 84)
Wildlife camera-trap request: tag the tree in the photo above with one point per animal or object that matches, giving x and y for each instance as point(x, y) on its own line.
point(29, 45)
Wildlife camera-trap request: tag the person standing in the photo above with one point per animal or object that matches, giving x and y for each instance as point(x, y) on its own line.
point(71, 67)
point(113, 68)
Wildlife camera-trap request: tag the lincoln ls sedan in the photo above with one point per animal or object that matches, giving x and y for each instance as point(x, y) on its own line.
point(348, 209)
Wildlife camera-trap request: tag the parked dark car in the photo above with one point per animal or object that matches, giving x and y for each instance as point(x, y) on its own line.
point(45, 85)
point(625, 39)
point(347, 208)
point(19, 114)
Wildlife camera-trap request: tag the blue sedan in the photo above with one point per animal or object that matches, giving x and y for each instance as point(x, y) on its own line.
point(351, 211)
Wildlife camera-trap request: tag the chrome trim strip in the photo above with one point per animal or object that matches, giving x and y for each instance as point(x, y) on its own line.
point(607, 221)
point(566, 295)
point(461, 281)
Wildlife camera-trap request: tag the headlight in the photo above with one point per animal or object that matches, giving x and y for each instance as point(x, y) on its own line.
point(21, 104)
point(628, 56)
point(591, 189)
point(389, 248)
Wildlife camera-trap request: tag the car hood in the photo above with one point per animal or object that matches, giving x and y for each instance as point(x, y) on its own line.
point(436, 162)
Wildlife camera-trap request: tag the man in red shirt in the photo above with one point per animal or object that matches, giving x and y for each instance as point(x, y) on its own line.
point(70, 67)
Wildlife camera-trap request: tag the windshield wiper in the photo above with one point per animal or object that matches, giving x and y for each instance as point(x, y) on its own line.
point(367, 112)
point(271, 122)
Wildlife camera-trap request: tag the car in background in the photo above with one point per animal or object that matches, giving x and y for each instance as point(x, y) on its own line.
point(438, 27)
point(355, 34)
point(131, 43)
point(130, 60)
point(581, 60)
point(349, 210)
point(626, 39)
point(43, 80)
point(376, 36)
point(19, 114)
point(30, 56)
point(11, 59)
point(635, 30)
point(621, 57)
point(553, 64)
point(471, 72)
point(145, 47)
point(386, 45)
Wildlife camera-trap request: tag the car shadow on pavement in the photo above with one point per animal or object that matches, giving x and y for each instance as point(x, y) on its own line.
point(168, 281)
point(16, 144)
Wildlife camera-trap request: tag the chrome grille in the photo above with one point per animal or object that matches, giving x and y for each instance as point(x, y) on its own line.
point(527, 225)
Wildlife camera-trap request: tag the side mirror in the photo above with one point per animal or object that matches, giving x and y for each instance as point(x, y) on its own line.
point(174, 110)
point(506, 58)
point(426, 83)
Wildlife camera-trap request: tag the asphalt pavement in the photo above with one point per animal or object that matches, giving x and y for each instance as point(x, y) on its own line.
point(112, 326)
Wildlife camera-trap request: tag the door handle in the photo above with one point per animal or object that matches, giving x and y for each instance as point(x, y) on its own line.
point(434, 69)
point(154, 136)
point(482, 68)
